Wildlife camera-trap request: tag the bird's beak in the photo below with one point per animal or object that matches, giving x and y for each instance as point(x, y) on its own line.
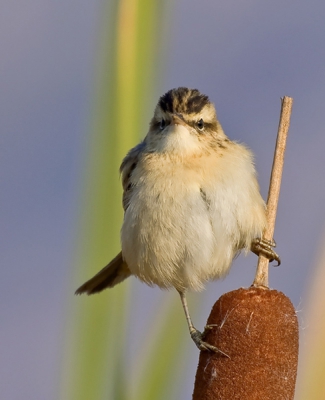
point(177, 119)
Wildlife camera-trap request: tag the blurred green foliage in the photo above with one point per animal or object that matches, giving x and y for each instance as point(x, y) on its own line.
point(94, 360)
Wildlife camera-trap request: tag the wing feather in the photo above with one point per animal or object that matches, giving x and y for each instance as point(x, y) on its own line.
point(128, 165)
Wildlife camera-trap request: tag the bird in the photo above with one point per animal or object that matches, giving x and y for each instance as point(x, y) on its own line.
point(191, 203)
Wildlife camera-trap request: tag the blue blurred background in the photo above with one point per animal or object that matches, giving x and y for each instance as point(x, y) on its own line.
point(244, 55)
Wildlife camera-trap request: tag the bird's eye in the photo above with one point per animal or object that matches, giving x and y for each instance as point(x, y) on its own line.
point(162, 124)
point(200, 124)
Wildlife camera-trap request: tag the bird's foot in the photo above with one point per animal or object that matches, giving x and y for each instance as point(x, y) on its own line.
point(265, 247)
point(197, 338)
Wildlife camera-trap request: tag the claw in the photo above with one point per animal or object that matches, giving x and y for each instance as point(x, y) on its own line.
point(202, 345)
point(196, 335)
point(264, 247)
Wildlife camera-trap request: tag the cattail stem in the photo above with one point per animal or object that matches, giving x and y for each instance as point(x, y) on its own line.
point(262, 272)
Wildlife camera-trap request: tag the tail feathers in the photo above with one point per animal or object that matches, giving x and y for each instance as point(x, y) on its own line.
point(114, 272)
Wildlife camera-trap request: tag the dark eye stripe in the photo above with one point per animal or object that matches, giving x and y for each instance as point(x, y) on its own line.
point(208, 126)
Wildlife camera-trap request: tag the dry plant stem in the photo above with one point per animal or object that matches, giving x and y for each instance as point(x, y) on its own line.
point(261, 277)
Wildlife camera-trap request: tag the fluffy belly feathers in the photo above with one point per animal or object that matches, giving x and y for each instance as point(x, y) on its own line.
point(174, 233)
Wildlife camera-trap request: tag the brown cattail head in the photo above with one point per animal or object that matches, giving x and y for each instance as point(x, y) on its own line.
point(258, 329)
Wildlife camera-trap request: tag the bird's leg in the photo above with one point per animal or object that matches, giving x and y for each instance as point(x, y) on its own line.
point(265, 247)
point(195, 334)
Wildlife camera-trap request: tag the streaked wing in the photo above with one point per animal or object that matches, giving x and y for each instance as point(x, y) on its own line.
point(128, 165)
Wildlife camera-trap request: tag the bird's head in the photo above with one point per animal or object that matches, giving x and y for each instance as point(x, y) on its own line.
point(185, 123)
